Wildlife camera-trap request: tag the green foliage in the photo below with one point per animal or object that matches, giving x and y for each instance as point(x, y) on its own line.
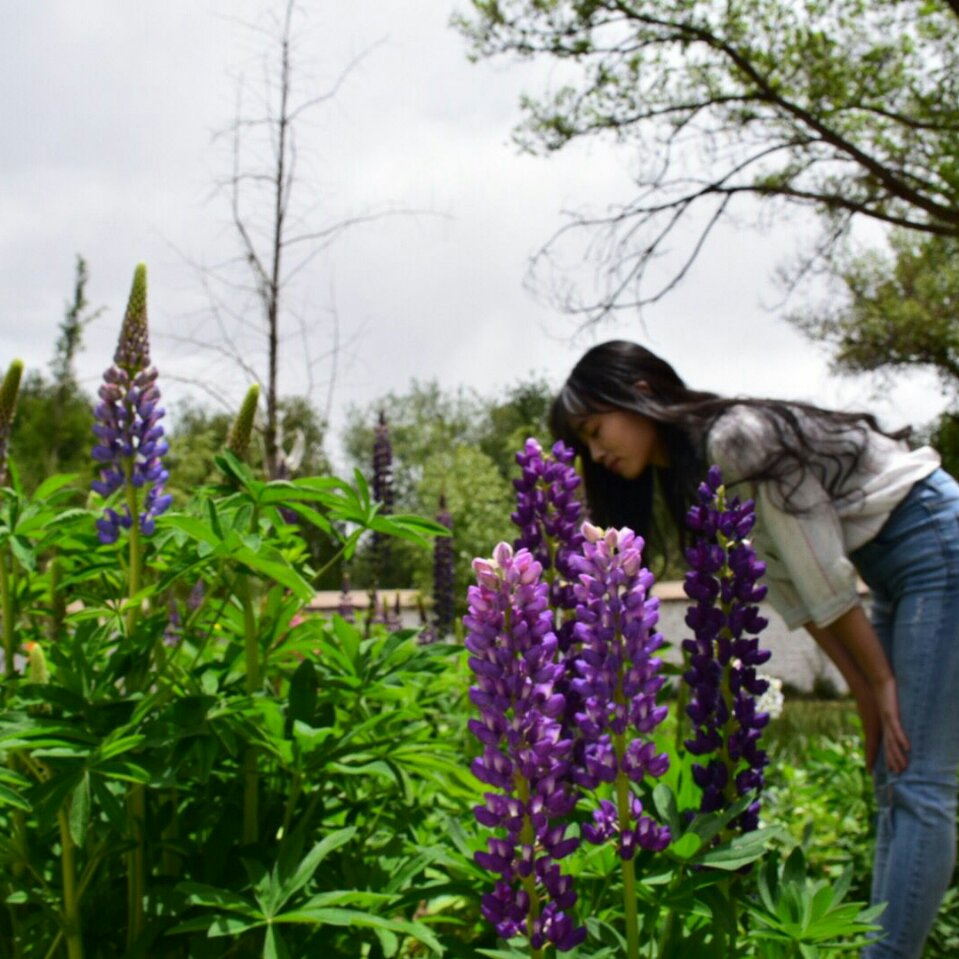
point(901, 310)
point(52, 431)
point(848, 108)
point(198, 434)
point(798, 917)
point(350, 738)
point(458, 444)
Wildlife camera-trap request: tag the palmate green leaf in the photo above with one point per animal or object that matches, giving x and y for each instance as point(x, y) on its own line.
point(311, 862)
point(10, 797)
point(323, 916)
point(664, 801)
point(193, 527)
point(25, 554)
point(276, 570)
point(311, 516)
point(119, 745)
point(79, 818)
point(739, 851)
point(43, 522)
point(274, 945)
point(234, 468)
point(123, 771)
point(212, 897)
point(232, 926)
point(53, 484)
point(408, 526)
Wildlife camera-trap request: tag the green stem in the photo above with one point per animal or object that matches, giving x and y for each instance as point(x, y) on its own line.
point(71, 899)
point(251, 779)
point(136, 553)
point(628, 866)
point(19, 817)
point(136, 862)
point(527, 837)
point(671, 927)
point(6, 608)
point(136, 797)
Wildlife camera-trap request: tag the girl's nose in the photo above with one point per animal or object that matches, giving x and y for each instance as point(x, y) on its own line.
point(595, 452)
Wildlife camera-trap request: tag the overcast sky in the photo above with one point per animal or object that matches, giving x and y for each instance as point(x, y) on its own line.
point(108, 117)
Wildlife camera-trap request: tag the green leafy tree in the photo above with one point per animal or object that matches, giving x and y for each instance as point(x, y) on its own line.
point(900, 312)
point(848, 108)
point(523, 411)
point(457, 443)
point(53, 428)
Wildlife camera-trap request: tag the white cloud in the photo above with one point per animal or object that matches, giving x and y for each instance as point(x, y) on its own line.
point(108, 112)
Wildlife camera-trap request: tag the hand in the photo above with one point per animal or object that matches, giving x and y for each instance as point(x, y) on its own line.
point(871, 726)
point(895, 742)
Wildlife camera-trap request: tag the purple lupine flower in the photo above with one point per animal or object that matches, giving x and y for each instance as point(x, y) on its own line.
point(548, 514)
point(382, 492)
point(130, 445)
point(346, 608)
point(619, 678)
point(525, 757)
point(724, 653)
point(173, 633)
point(443, 581)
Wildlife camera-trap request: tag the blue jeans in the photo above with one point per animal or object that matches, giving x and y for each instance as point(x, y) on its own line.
point(912, 569)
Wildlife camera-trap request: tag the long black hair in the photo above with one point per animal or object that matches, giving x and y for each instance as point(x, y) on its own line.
point(608, 377)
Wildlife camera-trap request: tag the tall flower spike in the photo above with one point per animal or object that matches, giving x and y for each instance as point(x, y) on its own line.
point(8, 407)
point(382, 492)
point(619, 678)
point(443, 585)
point(241, 430)
point(130, 444)
point(724, 653)
point(548, 514)
point(525, 758)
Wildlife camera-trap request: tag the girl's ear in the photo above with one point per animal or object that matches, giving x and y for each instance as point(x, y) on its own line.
point(643, 387)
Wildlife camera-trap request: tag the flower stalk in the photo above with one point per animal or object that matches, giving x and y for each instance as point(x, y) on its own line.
point(724, 653)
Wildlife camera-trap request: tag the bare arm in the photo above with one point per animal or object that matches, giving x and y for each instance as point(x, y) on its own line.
point(852, 644)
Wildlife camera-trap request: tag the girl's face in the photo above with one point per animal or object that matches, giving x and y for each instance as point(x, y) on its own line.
point(622, 441)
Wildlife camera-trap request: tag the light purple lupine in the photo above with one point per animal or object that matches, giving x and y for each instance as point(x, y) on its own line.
point(525, 757)
point(618, 681)
point(130, 444)
point(724, 653)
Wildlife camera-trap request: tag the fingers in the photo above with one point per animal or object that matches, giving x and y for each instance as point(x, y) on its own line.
point(896, 746)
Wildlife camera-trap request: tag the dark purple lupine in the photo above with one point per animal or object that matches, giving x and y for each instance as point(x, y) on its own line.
point(443, 578)
point(130, 444)
point(724, 653)
point(346, 608)
point(617, 684)
point(525, 756)
point(382, 492)
point(548, 514)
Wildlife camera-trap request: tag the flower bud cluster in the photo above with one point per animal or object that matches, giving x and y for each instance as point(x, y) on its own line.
point(9, 389)
point(525, 756)
point(130, 444)
point(724, 653)
point(618, 681)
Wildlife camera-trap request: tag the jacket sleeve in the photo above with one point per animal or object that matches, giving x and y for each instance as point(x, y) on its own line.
point(809, 575)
